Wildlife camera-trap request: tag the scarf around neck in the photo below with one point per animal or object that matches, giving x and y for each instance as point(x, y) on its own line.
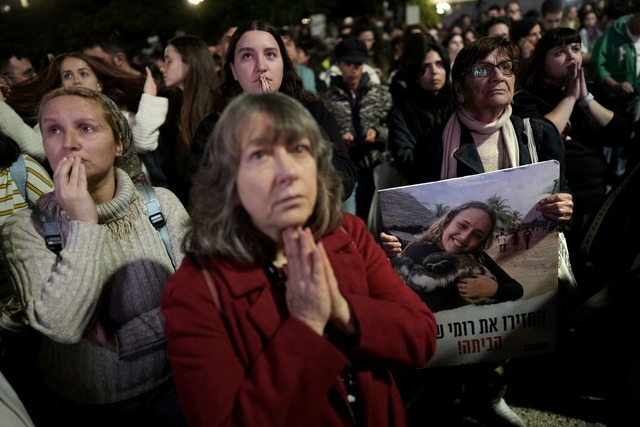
point(453, 131)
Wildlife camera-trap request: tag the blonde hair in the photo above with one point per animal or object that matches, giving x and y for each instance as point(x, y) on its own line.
point(220, 226)
point(129, 161)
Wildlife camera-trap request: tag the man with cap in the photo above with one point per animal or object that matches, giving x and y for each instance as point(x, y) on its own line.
point(334, 70)
point(360, 108)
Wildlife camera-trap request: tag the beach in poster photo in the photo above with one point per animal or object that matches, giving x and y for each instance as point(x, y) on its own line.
point(524, 246)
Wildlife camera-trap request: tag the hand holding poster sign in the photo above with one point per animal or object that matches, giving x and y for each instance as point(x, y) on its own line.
point(489, 304)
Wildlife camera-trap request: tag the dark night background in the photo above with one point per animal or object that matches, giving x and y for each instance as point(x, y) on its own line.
point(58, 25)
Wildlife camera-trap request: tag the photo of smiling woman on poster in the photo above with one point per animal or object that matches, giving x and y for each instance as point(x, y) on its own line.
point(447, 265)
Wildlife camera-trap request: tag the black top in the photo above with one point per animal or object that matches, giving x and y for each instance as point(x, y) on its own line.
point(415, 113)
point(586, 166)
point(445, 298)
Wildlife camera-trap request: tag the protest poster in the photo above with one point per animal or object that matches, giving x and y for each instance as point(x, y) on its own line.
point(474, 330)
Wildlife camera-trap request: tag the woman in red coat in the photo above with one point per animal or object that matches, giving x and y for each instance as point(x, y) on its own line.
point(305, 317)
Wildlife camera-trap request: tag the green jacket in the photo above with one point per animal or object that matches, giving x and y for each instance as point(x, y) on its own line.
point(614, 56)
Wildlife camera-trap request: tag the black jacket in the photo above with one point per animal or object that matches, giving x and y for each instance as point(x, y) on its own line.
point(414, 115)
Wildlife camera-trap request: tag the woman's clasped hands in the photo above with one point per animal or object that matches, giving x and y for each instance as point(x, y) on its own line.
point(576, 83)
point(312, 294)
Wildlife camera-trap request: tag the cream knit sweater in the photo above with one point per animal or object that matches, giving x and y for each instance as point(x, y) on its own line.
point(114, 271)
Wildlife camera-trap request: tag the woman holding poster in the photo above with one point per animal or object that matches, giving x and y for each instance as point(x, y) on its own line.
point(483, 136)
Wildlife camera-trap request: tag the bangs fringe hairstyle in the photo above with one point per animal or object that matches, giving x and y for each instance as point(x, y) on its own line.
point(533, 72)
point(479, 50)
point(435, 232)
point(219, 225)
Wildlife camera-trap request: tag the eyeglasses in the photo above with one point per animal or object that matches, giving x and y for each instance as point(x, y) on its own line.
point(485, 69)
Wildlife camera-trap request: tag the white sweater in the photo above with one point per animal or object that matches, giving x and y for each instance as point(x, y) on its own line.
point(113, 271)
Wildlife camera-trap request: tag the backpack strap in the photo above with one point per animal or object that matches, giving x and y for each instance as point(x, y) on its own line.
point(18, 172)
point(152, 207)
point(531, 140)
point(53, 237)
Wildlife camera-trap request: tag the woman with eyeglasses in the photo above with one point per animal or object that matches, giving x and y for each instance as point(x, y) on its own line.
point(482, 136)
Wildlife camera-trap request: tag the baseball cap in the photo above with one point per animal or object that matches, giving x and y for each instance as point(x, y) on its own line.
point(351, 50)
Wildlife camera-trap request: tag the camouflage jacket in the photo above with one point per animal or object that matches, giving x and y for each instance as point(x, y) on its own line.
point(372, 103)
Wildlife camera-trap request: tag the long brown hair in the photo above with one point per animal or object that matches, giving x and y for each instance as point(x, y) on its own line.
point(198, 93)
point(291, 82)
point(121, 87)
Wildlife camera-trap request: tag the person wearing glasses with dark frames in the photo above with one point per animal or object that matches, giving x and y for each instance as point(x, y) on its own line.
point(482, 136)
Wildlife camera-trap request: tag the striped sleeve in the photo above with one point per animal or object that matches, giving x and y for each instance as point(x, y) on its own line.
point(38, 180)
point(6, 195)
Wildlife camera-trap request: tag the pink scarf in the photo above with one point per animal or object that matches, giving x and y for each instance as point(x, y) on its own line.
point(452, 132)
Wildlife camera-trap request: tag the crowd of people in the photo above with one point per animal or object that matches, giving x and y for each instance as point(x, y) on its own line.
point(199, 241)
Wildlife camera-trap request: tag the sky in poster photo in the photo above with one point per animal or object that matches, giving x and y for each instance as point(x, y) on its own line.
point(474, 333)
point(521, 187)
